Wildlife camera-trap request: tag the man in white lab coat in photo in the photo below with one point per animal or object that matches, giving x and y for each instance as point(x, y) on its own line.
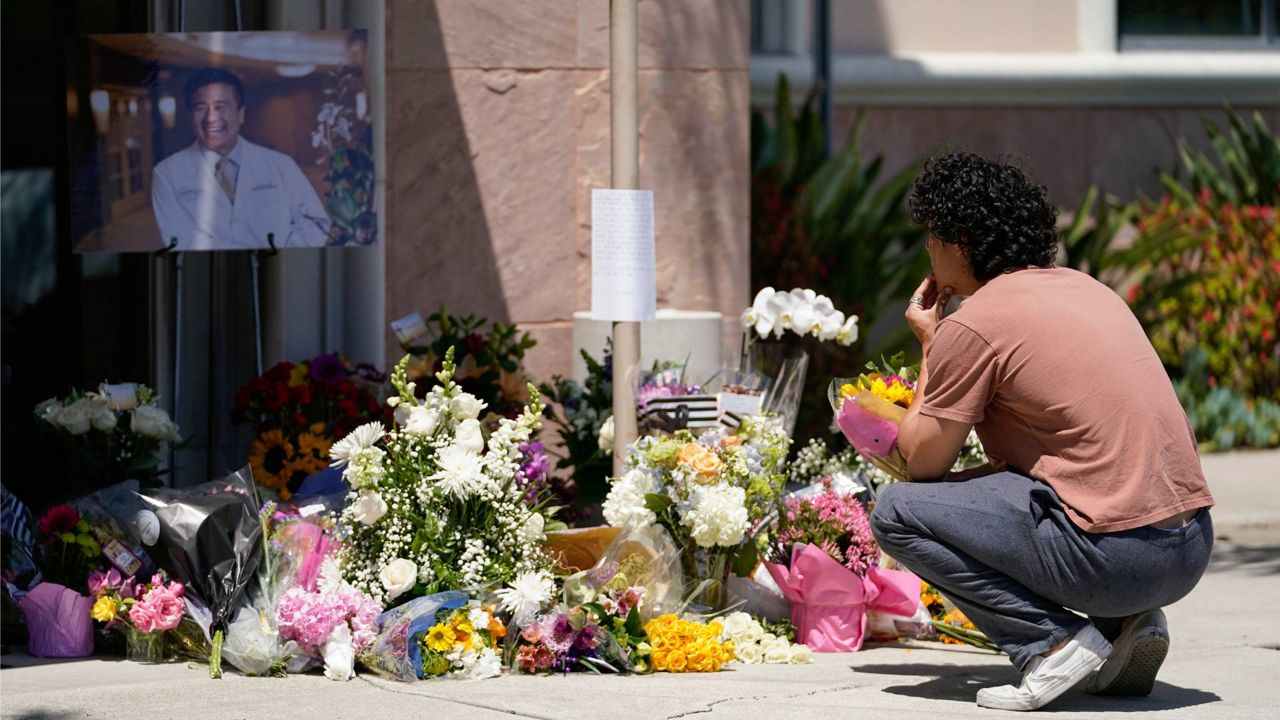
point(226, 193)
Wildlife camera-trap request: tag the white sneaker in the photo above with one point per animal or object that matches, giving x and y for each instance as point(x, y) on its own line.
point(1135, 659)
point(1047, 678)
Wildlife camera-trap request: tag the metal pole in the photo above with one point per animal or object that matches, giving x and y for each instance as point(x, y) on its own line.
point(257, 311)
point(625, 155)
point(822, 67)
point(177, 359)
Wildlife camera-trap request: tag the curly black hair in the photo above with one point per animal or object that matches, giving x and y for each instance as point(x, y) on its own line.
point(1000, 219)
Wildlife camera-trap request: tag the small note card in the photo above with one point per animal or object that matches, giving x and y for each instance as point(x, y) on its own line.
point(409, 328)
point(624, 285)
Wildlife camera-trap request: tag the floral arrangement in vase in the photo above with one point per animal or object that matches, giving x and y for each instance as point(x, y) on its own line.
point(300, 410)
point(434, 504)
point(100, 437)
point(144, 612)
point(711, 492)
point(802, 312)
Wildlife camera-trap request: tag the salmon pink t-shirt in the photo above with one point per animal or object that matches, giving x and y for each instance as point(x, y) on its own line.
point(1061, 384)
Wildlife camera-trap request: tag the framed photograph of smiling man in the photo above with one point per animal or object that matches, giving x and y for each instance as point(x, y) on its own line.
point(220, 141)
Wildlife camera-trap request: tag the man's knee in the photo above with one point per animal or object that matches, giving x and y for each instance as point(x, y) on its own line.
point(884, 517)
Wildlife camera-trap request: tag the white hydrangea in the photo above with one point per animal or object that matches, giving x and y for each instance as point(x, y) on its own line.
point(625, 502)
point(717, 515)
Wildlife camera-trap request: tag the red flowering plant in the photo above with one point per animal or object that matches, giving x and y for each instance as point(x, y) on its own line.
point(300, 410)
point(68, 546)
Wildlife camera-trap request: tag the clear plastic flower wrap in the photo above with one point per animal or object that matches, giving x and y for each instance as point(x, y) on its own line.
point(396, 653)
point(868, 412)
point(640, 556)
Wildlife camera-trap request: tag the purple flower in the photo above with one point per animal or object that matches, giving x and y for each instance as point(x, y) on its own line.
point(328, 369)
point(369, 373)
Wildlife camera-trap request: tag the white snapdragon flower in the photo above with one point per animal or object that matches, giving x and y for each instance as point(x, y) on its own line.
point(466, 406)
point(461, 471)
point(470, 436)
point(398, 576)
point(526, 595)
point(368, 508)
point(717, 515)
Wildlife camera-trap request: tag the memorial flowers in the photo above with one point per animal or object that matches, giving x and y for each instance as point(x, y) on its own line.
point(300, 410)
point(711, 492)
point(434, 504)
point(802, 312)
point(680, 645)
point(334, 622)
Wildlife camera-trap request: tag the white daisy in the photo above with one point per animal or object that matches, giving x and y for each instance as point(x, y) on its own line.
point(362, 438)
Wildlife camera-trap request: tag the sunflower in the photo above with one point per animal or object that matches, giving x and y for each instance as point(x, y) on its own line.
point(312, 445)
point(296, 470)
point(268, 457)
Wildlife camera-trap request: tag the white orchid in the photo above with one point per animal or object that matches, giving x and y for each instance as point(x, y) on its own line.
point(781, 306)
point(829, 326)
point(759, 316)
point(848, 332)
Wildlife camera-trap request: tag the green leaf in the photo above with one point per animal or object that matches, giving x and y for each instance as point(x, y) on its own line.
point(657, 504)
point(746, 559)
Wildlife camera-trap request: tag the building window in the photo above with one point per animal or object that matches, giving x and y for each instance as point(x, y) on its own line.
point(779, 27)
point(1197, 24)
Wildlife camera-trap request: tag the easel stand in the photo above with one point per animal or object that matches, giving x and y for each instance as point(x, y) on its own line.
point(175, 390)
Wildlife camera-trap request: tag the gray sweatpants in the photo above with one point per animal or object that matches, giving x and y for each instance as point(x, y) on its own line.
point(1004, 551)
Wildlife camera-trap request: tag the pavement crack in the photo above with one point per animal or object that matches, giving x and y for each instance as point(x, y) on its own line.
point(481, 706)
point(710, 707)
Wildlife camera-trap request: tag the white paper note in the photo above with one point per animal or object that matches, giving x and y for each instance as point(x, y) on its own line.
point(409, 328)
point(624, 285)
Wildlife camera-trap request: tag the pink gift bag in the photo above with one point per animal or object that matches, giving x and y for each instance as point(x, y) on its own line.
point(58, 621)
point(829, 603)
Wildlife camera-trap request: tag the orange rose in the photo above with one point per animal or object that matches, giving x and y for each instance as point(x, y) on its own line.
point(706, 464)
point(730, 441)
point(688, 453)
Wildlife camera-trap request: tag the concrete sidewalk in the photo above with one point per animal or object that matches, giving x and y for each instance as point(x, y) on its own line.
point(1224, 664)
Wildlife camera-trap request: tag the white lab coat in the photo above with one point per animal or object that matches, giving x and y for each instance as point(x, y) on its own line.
point(272, 196)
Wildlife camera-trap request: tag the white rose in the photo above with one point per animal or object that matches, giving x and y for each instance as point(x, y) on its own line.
point(469, 436)
point(74, 418)
point(420, 420)
point(606, 435)
point(398, 576)
point(777, 656)
point(154, 422)
point(752, 632)
point(773, 642)
point(368, 508)
point(735, 625)
point(466, 406)
point(100, 413)
point(532, 531)
point(749, 653)
point(48, 410)
point(801, 655)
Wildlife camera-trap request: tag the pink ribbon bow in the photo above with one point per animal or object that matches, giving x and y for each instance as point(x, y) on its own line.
point(829, 603)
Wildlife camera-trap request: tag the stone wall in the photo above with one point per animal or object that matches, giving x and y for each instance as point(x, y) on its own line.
point(498, 128)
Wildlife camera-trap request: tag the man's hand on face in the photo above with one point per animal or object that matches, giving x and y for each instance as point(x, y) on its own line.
point(925, 310)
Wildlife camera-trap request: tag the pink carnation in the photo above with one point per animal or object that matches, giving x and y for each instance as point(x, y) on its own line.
point(160, 608)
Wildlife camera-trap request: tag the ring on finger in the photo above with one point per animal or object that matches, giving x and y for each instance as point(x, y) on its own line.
point(916, 300)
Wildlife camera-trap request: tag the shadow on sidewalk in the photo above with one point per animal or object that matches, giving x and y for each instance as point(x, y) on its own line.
point(961, 684)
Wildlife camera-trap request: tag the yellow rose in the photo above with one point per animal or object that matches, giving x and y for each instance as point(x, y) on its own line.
point(659, 658)
point(706, 464)
point(104, 610)
point(676, 661)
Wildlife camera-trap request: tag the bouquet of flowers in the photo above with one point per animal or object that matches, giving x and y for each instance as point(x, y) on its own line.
point(487, 364)
point(143, 611)
point(679, 645)
point(68, 546)
point(802, 312)
point(870, 408)
point(754, 644)
point(105, 436)
point(440, 635)
point(835, 522)
point(430, 509)
point(300, 410)
point(603, 636)
point(712, 492)
point(334, 621)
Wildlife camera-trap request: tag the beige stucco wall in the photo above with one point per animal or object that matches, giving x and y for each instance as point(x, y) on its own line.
point(1066, 148)
point(896, 27)
point(498, 128)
